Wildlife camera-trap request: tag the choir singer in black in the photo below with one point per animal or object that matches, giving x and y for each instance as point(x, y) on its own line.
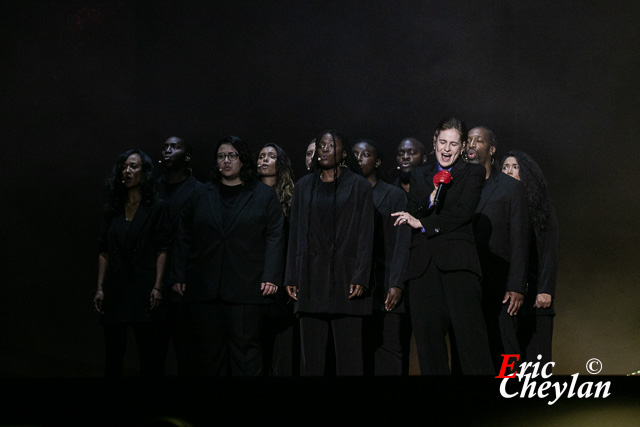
point(228, 261)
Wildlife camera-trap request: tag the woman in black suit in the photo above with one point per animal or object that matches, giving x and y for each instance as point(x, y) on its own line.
point(535, 327)
point(228, 261)
point(329, 257)
point(133, 243)
point(444, 272)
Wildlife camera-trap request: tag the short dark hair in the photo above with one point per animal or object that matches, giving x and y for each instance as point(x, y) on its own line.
point(493, 140)
point(375, 145)
point(452, 123)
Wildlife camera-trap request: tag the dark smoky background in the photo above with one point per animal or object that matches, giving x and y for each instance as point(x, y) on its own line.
point(83, 81)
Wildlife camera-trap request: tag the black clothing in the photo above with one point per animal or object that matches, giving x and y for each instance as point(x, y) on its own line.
point(347, 338)
point(501, 229)
point(230, 262)
point(132, 249)
point(178, 327)
point(444, 272)
point(323, 278)
point(535, 327)
point(330, 248)
point(383, 332)
point(230, 241)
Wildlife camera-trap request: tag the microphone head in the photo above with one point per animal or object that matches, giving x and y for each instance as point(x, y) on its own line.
point(398, 167)
point(319, 158)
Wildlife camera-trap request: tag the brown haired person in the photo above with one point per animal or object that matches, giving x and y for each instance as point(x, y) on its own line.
point(133, 243)
point(228, 261)
point(280, 347)
point(329, 257)
point(444, 272)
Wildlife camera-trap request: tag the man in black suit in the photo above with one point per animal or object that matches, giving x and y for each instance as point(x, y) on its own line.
point(385, 350)
point(410, 154)
point(501, 229)
point(443, 273)
point(175, 186)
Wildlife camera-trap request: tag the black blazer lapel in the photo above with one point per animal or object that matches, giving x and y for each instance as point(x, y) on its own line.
point(490, 185)
point(242, 200)
point(380, 192)
point(344, 191)
point(213, 200)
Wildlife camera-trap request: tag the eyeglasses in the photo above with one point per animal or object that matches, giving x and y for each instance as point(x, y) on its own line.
point(232, 156)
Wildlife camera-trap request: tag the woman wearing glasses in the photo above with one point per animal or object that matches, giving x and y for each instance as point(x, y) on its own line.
point(228, 261)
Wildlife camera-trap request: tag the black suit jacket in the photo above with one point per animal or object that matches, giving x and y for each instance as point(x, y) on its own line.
point(133, 254)
point(351, 261)
point(447, 239)
point(543, 266)
point(387, 199)
point(175, 205)
point(230, 263)
point(501, 226)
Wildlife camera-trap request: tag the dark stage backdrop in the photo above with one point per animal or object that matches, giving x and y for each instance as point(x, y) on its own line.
point(82, 81)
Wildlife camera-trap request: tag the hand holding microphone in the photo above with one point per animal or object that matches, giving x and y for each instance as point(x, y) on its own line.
point(442, 177)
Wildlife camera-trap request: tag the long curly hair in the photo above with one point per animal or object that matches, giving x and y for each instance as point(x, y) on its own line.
point(284, 177)
point(117, 192)
point(535, 185)
point(248, 171)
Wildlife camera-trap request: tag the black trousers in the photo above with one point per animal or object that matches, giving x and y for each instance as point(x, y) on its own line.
point(383, 343)
point(227, 338)
point(280, 341)
point(347, 340)
point(502, 328)
point(535, 334)
point(441, 301)
point(178, 334)
point(149, 342)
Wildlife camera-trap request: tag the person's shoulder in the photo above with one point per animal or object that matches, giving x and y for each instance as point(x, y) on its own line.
point(356, 179)
point(391, 189)
point(192, 180)
point(305, 180)
point(260, 187)
point(509, 182)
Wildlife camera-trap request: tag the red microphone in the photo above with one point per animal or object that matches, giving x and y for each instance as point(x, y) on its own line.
point(442, 177)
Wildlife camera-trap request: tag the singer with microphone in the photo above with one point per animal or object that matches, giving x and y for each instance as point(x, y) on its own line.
point(443, 272)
